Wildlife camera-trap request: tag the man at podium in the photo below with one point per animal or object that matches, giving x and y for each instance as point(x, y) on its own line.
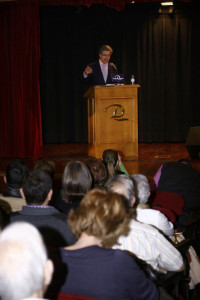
point(99, 72)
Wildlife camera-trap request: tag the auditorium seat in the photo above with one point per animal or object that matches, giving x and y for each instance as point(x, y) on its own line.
point(170, 204)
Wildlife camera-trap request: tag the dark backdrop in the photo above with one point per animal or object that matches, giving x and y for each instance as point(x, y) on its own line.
point(161, 50)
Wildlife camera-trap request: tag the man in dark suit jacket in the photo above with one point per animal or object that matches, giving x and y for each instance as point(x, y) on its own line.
point(94, 72)
point(37, 192)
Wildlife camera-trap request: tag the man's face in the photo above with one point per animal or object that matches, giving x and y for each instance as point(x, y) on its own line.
point(105, 56)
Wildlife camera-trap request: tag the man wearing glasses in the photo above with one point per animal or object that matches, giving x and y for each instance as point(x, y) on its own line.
point(99, 72)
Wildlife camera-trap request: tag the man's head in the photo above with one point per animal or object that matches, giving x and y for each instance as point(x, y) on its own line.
point(16, 171)
point(142, 188)
point(105, 53)
point(123, 185)
point(37, 188)
point(25, 269)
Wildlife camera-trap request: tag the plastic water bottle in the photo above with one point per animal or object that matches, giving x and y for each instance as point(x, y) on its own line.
point(132, 79)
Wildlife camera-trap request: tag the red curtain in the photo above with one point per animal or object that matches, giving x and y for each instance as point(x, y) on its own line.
point(20, 112)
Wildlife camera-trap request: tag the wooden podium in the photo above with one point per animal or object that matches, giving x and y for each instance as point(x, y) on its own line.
point(113, 119)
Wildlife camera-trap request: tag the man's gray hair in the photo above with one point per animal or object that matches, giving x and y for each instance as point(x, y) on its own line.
point(22, 261)
point(142, 188)
point(123, 185)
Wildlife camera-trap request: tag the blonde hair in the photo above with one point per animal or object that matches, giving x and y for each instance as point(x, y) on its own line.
point(101, 214)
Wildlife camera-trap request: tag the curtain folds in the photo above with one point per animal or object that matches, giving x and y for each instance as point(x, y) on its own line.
point(20, 114)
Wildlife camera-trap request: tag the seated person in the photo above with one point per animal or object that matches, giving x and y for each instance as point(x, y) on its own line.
point(94, 270)
point(25, 270)
point(11, 199)
point(98, 171)
point(113, 163)
point(37, 192)
point(49, 167)
point(76, 181)
point(181, 178)
point(145, 214)
point(143, 240)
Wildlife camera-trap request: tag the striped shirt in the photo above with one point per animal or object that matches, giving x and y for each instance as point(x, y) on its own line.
point(148, 244)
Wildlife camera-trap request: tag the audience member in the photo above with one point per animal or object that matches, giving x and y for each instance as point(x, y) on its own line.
point(76, 181)
point(49, 167)
point(144, 213)
point(143, 240)
point(25, 270)
point(94, 270)
point(113, 163)
point(45, 165)
point(181, 178)
point(11, 199)
point(37, 192)
point(98, 171)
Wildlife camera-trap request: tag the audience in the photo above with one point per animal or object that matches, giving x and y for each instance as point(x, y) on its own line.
point(113, 163)
point(37, 192)
point(181, 178)
point(146, 214)
point(76, 181)
point(143, 240)
point(25, 270)
point(94, 270)
point(11, 199)
point(98, 171)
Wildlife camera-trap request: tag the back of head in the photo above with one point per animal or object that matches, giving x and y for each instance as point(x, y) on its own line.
point(22, 260)
point(142, 188)
point(36, 187)
point(101, 214)
point(45, 165)
point(98, 171)
point(185, 161)
point(16, 171)
point(76, 181)
point(123, 185)
point(110, 158)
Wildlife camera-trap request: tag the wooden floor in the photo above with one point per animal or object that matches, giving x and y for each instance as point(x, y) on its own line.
point(151, 156)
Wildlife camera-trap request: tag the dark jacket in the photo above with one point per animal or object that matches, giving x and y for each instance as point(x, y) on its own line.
point(96, 77)
point(50, 222)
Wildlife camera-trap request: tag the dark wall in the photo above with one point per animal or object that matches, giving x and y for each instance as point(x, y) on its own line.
point(161, 50)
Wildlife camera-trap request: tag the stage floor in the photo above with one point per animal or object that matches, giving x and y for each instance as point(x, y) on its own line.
point(151, 156)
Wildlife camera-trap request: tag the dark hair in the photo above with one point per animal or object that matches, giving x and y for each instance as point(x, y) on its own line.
point(110, 158)
point(36, 187)
point(76, 181)
point(105, 48)
point(185, 161)
point(16, 171)
point(45, 165)
point(98, 170)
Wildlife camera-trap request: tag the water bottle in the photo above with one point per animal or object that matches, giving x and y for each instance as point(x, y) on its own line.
point(132, 79)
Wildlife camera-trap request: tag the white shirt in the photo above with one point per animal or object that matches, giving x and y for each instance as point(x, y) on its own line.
point(148, 244)
point(156, 218)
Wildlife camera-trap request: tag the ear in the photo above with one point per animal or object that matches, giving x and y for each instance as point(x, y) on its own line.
point(22, 193)
point(4, 179)
point(133, 201)
point(48, 272)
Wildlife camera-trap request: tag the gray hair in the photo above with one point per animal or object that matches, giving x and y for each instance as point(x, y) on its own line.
point(142, 187)
point(123, 185)
point(22, 260)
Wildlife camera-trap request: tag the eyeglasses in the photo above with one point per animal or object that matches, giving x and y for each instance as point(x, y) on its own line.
point(108, 55)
